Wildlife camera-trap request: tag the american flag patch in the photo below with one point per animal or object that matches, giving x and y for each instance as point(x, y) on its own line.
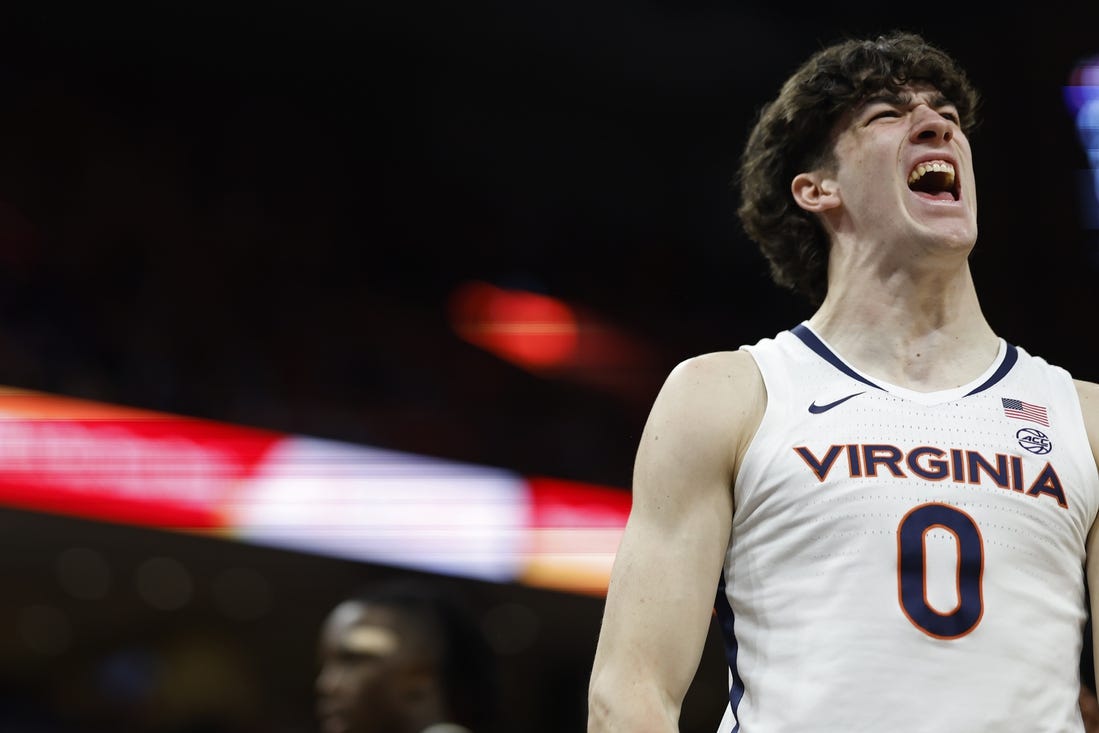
point(1025, 411)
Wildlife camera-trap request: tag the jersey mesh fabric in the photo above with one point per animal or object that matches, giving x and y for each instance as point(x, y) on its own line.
point(905, 561)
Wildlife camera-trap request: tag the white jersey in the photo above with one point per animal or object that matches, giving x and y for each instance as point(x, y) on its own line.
point(903, 561)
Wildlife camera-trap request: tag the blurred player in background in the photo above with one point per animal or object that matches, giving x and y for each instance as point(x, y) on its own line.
point(404, 657)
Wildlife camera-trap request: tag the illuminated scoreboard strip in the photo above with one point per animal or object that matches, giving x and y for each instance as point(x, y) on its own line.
point(130, 466)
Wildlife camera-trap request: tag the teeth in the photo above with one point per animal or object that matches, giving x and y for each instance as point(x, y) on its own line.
point(934, 166)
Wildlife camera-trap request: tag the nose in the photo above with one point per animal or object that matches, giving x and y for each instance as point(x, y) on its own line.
point(930, 126)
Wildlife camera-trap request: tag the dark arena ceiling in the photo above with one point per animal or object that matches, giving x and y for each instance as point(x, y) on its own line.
point(260, 213)
point(271, 214)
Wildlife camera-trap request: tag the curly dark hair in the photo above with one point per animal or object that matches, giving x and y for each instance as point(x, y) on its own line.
point(794, 131)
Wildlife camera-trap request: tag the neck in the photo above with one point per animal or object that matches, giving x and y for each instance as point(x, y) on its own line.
point(923, 331)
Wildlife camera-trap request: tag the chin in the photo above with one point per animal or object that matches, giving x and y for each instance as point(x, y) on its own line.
point(961, 238)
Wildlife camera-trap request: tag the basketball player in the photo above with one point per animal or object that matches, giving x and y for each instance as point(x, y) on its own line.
point(403, 658)
point(892, 502)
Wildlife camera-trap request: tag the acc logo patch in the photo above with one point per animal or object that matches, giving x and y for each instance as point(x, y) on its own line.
point(1034, 441)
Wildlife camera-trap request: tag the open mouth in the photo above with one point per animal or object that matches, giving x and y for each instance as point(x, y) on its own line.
point(935, 179)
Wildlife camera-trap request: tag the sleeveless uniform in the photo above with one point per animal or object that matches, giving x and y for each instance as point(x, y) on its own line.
point(903, 561)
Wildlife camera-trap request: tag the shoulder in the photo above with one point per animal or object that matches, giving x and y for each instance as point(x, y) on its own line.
point(715, 399)
point(1089, 405)
point(716, 381)
point(1087, 391)
point(717, 368)
point(1089, 399)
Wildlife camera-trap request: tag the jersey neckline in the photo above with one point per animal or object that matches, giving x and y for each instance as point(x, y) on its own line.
point(1005, 359)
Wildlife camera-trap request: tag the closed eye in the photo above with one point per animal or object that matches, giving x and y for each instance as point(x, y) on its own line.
point(880, 114)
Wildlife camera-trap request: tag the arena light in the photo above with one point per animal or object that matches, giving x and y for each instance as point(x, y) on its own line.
point(528, 329)
point(1082, 99)
point(554, 339)
point(574, 532)
point(127, 466)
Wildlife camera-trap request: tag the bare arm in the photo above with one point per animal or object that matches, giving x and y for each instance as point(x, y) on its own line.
point(1089, 401)
point(662, 588)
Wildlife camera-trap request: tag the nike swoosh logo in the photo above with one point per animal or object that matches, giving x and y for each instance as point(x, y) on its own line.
point(817, 409)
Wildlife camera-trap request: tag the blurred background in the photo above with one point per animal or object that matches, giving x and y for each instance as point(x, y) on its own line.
point(477, 235)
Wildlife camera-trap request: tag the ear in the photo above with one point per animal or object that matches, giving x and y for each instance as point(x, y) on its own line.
point(418, 684)
point(815, 192)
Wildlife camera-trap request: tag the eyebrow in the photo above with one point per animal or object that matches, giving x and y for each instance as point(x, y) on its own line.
point(902, 98)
